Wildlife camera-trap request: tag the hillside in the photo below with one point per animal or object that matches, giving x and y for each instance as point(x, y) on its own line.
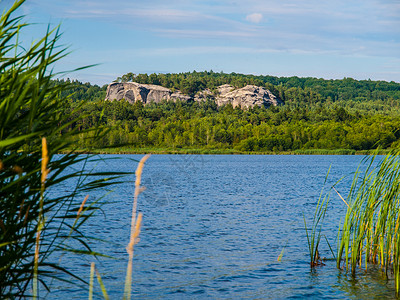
point(317, 114)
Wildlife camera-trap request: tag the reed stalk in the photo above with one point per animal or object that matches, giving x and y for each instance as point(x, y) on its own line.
point(136, 222)
point(314, 236)
point(44, 173)
point(33, 106)
point(370, 231)
point(92, 267)
point(135, 228)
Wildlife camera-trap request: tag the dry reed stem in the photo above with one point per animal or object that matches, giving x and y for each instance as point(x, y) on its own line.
point(26, 215)
point(81, 207)
point(20, 209)
point(341, 197)
point(92, 267)
point(45, 161)
point(17, 169)
point(44, 173)
point(136, 232)
point(135, 227)
point(36, 258)
point(138, 190)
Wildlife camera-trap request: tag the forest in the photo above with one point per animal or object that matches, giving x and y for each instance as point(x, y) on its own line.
point(344, 115)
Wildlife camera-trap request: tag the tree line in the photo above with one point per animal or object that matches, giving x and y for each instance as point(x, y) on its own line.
point(284, 87)
point(317, 114)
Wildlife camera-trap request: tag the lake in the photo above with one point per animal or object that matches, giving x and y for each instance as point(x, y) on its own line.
point(215, 225)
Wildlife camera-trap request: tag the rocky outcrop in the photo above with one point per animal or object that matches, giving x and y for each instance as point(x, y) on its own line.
point(248, 96)
point(224, 89)
point(204, 95)
point(180, 96)
point(133, 91)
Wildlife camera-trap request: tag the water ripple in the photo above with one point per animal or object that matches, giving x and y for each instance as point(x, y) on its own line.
point(214, 226)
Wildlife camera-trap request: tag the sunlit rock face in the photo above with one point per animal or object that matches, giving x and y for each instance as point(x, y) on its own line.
point(248, 96)
point(133, 91)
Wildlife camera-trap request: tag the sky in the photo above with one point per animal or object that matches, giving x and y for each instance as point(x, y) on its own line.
point(329, 39)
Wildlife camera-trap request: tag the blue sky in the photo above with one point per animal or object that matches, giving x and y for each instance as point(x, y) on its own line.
point(317, 38)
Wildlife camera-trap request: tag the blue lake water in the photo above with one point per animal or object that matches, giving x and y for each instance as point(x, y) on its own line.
point(214, 226)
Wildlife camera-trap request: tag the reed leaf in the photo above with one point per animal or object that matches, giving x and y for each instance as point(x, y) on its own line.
point(369, 233)
point(35, 223)
point(92, 267)
point(314, 236)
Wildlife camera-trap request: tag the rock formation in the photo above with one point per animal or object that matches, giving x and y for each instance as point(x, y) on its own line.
point(133, 91)
point(204, 95)
point(248, 96)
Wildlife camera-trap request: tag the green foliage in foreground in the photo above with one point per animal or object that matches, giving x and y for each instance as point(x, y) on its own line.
point(37, 219)
point(369, 231)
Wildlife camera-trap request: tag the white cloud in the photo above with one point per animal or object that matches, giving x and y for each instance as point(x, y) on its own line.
point(254, 18)
point(205, 34)
point(341, 27)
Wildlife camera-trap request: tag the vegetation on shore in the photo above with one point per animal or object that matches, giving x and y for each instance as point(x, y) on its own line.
point(318, 116)
point(205, 126)
point(205, 151)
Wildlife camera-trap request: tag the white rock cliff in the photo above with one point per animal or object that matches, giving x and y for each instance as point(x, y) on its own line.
point(248, 96)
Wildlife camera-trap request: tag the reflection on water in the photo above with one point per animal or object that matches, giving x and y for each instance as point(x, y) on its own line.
point(370, 284)
point(214, 226)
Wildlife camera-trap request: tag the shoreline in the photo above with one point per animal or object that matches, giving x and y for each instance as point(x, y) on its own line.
point(185, 151)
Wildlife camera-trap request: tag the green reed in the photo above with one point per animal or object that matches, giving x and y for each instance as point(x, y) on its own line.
point(369, 232)
point(314, 236)
point(36, 227)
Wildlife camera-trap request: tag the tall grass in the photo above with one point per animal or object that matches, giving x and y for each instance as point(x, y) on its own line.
point(369, 231)
point(136, 222)
point(314, 236)
point(325, 151)
point(135, 228)
point(34, 223)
